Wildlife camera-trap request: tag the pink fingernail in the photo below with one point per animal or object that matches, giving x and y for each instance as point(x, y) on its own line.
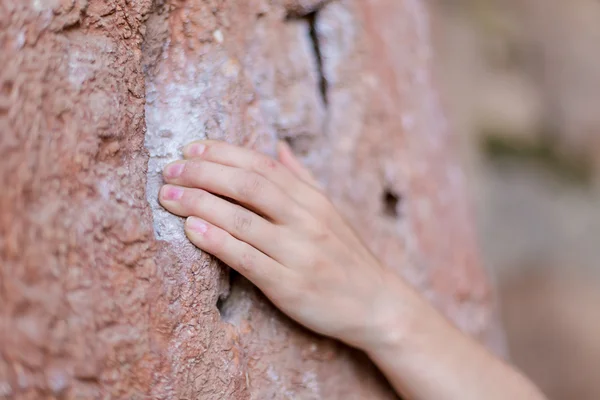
point(196, 149)
point(197, 225)
point(174, 170)
point(172, 192)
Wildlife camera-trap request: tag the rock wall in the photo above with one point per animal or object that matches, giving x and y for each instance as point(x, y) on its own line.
point(101, 296)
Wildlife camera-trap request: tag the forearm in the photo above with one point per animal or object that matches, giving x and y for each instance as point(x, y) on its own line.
point(426, 358)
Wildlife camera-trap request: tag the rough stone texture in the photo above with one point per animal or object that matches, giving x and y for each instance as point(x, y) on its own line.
point(101, 296)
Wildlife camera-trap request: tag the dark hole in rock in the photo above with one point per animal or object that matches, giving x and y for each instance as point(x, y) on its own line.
point(222, 301)
point(300, 145)
point(391, 203)
point(7, 87)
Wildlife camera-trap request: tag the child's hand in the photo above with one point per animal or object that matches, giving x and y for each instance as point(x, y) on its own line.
point(283, 234)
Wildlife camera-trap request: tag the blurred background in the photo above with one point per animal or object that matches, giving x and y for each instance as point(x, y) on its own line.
point(521, 82)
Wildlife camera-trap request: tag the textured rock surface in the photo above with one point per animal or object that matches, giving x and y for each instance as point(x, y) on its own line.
point(101, 296)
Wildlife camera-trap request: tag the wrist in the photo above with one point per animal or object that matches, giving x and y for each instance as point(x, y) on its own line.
point(395, 311)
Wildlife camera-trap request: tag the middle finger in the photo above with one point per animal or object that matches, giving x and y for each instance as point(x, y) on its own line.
point(248, 188)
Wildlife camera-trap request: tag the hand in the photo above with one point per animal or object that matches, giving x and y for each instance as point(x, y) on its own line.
point(268, 220)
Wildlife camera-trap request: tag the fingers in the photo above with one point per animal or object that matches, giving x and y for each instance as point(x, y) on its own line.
point(240, 157)
point(260, 269)
point(248, 188)
point(288, 159)
point(302, 188)
point(238, 221)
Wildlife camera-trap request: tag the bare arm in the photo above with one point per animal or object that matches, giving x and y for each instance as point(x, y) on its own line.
point(425, 357)
point(286, 237)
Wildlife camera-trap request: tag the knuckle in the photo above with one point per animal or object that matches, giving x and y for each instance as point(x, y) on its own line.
point(292, 294)
point(251, 186)
point(314, 284)
point(242, 221)
point(212, 149)
point(297, 212)
point(264, 164)
point(317, 265)
point(319, 231)
point(327, 213)
point(192, 167)
point(192, 198)
point(322, 275)
point(246, 263)
point(215, 151)
point(323, 205)
point(194, 171)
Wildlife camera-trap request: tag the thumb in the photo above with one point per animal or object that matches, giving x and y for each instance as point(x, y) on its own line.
point(287, 158)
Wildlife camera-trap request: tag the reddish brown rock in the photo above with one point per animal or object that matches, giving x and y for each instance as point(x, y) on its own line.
point(101, 295)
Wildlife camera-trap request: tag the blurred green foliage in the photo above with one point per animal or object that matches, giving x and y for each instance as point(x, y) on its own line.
point(545, 152)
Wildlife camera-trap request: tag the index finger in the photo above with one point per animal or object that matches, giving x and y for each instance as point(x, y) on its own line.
point(234, 156)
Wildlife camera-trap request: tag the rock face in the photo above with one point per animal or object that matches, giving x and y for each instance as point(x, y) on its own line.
point(101, 295)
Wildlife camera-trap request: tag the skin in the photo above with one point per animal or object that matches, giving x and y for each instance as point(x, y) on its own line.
point(268, 220)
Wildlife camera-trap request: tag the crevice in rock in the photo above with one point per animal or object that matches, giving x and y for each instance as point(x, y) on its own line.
point(391, 203)
point(225, 298)
point(311, 20)
point(314, 38)
point(155, 37)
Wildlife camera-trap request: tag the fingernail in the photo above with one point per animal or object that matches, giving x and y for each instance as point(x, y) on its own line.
point(174, 170)
point(196, 149)
point(172, 192)
point(197, 225)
